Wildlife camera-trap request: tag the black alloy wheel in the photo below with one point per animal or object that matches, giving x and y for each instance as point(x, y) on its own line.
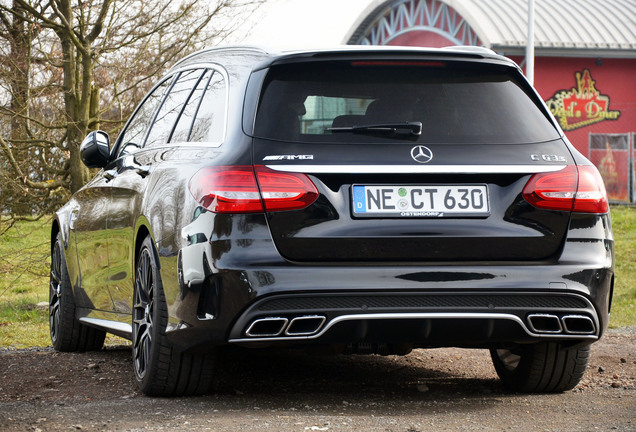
point(143, 313)
point(55, 293)
point(161, 369)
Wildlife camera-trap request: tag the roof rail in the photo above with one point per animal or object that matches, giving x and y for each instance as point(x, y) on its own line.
point(254, 48)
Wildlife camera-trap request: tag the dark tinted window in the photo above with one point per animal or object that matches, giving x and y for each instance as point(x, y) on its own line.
point(171, 108)
point(133, 137)
point(209, 123)
point(184, 124)
point(455, 102)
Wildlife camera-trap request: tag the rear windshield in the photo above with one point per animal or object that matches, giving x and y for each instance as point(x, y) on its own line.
point(454, 102)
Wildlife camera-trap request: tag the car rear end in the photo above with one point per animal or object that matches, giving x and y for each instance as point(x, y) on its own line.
point(416, 198)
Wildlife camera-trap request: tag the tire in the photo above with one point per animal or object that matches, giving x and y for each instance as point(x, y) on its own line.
point(545, 367)
point(67, 333)
point(160, 369)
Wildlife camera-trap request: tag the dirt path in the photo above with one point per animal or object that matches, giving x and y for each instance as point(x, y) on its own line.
point(442, 389)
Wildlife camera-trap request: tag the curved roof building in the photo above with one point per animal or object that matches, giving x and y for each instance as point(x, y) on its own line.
point(564, 27)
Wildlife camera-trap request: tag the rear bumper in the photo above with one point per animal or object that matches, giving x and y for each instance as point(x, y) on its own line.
point(427, 306)
point(425, 319)
point(243, 279)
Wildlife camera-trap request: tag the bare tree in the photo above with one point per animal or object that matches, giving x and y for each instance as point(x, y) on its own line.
point(70, 66)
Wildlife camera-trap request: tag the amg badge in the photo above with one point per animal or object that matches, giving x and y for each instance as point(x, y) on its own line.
point(288, 157)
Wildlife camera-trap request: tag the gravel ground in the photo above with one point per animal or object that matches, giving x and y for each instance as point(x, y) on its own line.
point(441, 389)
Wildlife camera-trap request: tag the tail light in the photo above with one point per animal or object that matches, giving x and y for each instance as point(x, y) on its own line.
point(247, 189)
point(574, 188)
point(284, 190)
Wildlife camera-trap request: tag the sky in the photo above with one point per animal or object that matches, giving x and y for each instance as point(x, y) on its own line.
point(289, 23)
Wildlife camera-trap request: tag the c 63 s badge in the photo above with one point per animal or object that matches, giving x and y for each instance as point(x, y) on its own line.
point(548, 158)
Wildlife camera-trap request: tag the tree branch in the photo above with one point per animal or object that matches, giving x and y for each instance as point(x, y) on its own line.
point(54, 184)
point(98, 26)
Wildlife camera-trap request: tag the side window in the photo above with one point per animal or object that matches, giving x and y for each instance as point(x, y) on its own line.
point(209, 123)
point(184, 124)
point(132, 139)
point(171, 108)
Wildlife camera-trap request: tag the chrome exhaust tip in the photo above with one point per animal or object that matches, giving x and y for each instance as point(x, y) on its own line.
point(267, 327)
point(578, 324)
point(305, 325)
point(545, 323)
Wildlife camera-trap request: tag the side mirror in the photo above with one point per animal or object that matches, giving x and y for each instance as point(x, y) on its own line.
point(95, 149)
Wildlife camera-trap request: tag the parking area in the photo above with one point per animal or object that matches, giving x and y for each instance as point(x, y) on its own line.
point(445, 389)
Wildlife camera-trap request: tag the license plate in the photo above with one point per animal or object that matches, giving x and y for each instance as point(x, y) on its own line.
point(420, 201)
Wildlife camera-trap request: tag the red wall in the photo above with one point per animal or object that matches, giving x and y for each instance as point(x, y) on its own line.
point(615, 78)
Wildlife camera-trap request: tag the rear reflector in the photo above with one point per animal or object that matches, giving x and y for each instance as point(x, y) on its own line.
point(235, 189)
point(574, 188)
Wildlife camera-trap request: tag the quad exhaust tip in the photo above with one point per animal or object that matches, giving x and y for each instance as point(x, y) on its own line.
point(275, 326)
point(267, 327)
point(578, 324)
point(545, 323)
point(305, 325)
point(568, 324)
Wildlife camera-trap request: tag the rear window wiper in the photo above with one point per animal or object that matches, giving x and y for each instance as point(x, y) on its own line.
point(397, 128)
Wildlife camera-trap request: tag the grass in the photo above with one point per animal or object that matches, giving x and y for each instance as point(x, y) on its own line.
point(24, 266)
point(624, 300)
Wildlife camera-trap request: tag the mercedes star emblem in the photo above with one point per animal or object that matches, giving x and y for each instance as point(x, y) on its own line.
point(421, 154)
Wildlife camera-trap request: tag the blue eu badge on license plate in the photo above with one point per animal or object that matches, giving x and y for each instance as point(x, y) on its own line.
point(359, 198)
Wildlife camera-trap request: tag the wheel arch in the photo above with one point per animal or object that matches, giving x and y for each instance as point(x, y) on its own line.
point(58, 226)
point(142, 230)
point(55, 229)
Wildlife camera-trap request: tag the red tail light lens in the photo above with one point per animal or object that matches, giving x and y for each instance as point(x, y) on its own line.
point(574, 188)
point(235, 189)
point(591, 196)
point(227, 189)
point(285, 190)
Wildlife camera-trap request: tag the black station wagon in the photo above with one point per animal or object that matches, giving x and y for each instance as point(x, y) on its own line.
point(363, 200)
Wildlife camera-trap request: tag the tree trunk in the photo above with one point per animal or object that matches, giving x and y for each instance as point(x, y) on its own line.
point(20, 55)
point(76, 129)
point(20, 45)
